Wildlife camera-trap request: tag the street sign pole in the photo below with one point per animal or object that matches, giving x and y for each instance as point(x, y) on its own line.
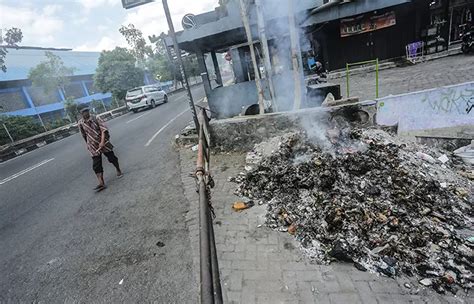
point(180, 63)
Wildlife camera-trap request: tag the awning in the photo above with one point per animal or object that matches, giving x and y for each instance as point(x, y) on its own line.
point(350, 9)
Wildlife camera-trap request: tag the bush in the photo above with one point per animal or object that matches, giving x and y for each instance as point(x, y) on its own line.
point(57, 124)
point(20, 127)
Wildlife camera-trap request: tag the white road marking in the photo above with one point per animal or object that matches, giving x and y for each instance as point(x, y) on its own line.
point(164, 127)
point(140, 116)
point(25, 171)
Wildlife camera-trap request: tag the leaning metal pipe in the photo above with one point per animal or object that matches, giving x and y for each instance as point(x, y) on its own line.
point(207, 290)
point(215, 266)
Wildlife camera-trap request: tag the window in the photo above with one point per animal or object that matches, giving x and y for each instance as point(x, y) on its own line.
point(74, 90)
point(40, 98)
point(12, 101)
point(150, 89)
point(134, 92)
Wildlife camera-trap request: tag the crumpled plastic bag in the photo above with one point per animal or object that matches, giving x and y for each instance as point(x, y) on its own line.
point(466, 153)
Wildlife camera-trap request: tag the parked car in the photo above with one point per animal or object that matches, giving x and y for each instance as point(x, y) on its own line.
point(145, 97)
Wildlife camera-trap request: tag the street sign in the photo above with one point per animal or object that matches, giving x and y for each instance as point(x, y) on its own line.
point(188, 21)
point(134, 3)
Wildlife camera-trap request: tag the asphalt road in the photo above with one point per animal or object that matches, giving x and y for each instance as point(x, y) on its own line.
point(61, 242)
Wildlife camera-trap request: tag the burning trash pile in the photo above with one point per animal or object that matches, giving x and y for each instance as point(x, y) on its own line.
point(369, 199)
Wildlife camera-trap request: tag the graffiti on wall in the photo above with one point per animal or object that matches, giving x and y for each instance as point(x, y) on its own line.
point(451, 100)
point(437, 108)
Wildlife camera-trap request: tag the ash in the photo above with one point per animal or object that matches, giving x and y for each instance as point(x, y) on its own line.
point(369, 199)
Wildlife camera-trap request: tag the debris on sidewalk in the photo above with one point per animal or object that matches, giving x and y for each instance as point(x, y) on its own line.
point(466, 153)
point(239, 205)
point(387, 206)
point(443, 158)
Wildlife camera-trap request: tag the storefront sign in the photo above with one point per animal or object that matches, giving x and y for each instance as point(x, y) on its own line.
point(364, 24)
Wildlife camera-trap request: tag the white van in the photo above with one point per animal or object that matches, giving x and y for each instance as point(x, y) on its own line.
point(145, 97)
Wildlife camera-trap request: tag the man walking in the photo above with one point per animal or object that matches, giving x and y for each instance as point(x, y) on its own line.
point(96, 135)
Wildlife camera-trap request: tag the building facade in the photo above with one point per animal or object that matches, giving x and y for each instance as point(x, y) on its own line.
point(19, 97)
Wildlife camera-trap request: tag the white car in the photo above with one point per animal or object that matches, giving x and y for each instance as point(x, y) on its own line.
point(145, 97)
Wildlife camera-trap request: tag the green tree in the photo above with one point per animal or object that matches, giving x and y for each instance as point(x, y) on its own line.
point(50, 74)
point(13, 37)
point(116, 73)
point(191, 66)
point(20, 127)
point(160, 67)
point(70, 106)
point(135, 40)
point(98, 106)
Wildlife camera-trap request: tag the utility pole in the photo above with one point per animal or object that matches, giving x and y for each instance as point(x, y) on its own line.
point(180, 62)
point(266, 52)
point(295, 55)
point(170, 58)
point(245, 21)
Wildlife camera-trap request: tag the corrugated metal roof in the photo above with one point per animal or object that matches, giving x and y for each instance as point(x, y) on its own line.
point(20, 61)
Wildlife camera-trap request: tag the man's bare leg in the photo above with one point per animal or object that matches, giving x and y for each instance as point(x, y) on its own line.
point(100, 177)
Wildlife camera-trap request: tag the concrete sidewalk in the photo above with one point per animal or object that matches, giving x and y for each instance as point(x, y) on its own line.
point(260, 265)
point(425, 75)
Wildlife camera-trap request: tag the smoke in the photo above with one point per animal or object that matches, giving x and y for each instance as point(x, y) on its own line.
point(317, 129)
point(315, 124)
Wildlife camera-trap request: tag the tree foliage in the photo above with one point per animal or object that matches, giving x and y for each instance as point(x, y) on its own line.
point(13, 37)
point(116, 72)
point(20, 127)
point(50, 74)
point(160, 68)
point(70, 106)
point(135, 40)
point(98, 106)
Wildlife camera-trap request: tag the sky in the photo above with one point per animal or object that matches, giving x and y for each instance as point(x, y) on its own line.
point(90, 25)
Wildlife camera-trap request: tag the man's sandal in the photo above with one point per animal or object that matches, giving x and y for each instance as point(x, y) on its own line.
point(99, 188)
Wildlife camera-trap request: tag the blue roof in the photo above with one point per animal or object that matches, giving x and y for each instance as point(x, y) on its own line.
point(20, 61)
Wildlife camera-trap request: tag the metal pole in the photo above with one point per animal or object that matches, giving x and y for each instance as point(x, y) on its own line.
point(216, 281)
point(248, 32)
point(347, 80)
point(377, 78)
point(180, 62)
point(40, 119)
point(294, 40)
point(8, 133)
point(450, 27)
point(266, 52)
point(207, 290)
point(170, 59)
point(103, 104)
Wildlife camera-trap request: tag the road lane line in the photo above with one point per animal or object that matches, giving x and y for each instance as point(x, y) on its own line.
point(164, 127)
point(25, 171)
point(133, 119)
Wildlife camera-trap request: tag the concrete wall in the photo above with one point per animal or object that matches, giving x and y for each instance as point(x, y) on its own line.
point(448, 109)
point(242, 133)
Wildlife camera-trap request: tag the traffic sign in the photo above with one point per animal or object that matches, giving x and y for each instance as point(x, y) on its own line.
point(134, 3)
point(188, 21)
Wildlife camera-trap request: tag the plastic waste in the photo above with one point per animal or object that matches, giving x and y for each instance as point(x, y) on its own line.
point(466, 153)
point(426, 157)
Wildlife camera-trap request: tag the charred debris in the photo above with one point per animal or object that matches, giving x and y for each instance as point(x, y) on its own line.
point(366, 197)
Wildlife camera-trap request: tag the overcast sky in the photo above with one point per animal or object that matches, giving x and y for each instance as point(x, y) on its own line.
point(90, 25)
